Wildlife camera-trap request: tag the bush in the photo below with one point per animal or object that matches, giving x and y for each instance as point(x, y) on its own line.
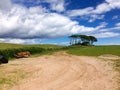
point(10, 52)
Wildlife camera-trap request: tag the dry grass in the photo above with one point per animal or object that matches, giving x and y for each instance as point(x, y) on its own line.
point(10, 76)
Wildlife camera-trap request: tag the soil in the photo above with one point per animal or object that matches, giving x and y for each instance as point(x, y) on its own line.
point(61, 71)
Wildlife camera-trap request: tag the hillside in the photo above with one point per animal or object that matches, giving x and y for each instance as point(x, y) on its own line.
point(16, 46)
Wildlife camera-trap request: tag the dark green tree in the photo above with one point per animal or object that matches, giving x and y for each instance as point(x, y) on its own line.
point(74, 39)
point(92, 39)
point(83, 38)
point(77, 39)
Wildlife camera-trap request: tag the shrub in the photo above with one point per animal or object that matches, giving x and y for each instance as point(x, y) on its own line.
point(10, 52)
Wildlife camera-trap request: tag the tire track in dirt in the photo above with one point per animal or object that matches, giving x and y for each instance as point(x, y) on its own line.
point(68, 72)
point(73, 73)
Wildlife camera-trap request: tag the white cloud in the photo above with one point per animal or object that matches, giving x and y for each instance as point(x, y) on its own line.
point(101, 27)
point(18, 41)
point(80, 12)
point(37, 9)
point(34, 22)
point(58, 5)
point(94, 17)
point(98, 11)
point(118, 24)
point(25, 25)
point(5, 5)
point(114, 3)
point(106, 34)
point(116, 28)
point(101, 8)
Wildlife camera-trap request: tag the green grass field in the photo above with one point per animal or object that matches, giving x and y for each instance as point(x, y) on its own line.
point(9, 50)
point(17, 46)
point(95, 50)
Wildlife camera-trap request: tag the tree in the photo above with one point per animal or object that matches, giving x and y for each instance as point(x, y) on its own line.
point(77, 39)
point(92, 39)
point(70, 40)
point(84, 39)
point(73, 39)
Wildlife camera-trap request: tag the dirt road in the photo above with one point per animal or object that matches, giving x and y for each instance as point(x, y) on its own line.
point(65, 72)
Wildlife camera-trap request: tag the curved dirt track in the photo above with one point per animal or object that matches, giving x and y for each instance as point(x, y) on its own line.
point(66, 72)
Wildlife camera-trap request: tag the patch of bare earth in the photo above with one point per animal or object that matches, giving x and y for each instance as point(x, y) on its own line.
point(61, 71)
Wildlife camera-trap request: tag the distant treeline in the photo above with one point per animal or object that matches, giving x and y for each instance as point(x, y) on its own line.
point(82, 40)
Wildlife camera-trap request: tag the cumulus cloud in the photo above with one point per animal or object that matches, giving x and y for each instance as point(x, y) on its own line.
point(27, 1)
point(18, 41)
point(99, 9)
point(57, 5)
point(94, 17)
point(5, 5)
point(94, 12)
point(24, 25)
point(113, 29)
point(106, 34)
point(80, 12)
point(102, 25)
point(114, 3)
point(118, 24)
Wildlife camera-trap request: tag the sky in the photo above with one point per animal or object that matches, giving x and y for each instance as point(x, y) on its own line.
point(52, 21)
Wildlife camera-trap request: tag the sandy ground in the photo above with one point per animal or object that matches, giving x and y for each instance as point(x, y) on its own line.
point(61, 71)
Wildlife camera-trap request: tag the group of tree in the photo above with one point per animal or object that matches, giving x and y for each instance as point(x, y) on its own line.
point(82, 40)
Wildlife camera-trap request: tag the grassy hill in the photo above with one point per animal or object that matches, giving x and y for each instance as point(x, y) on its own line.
point(17, 46)
point(9, 50)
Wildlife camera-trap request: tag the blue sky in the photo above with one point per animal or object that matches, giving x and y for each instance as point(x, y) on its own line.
point(52, 21)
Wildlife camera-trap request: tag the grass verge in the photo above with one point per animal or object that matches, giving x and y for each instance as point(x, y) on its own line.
point(95, 50)
point(11, 49)
point(117, 68)
point(11, 78)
